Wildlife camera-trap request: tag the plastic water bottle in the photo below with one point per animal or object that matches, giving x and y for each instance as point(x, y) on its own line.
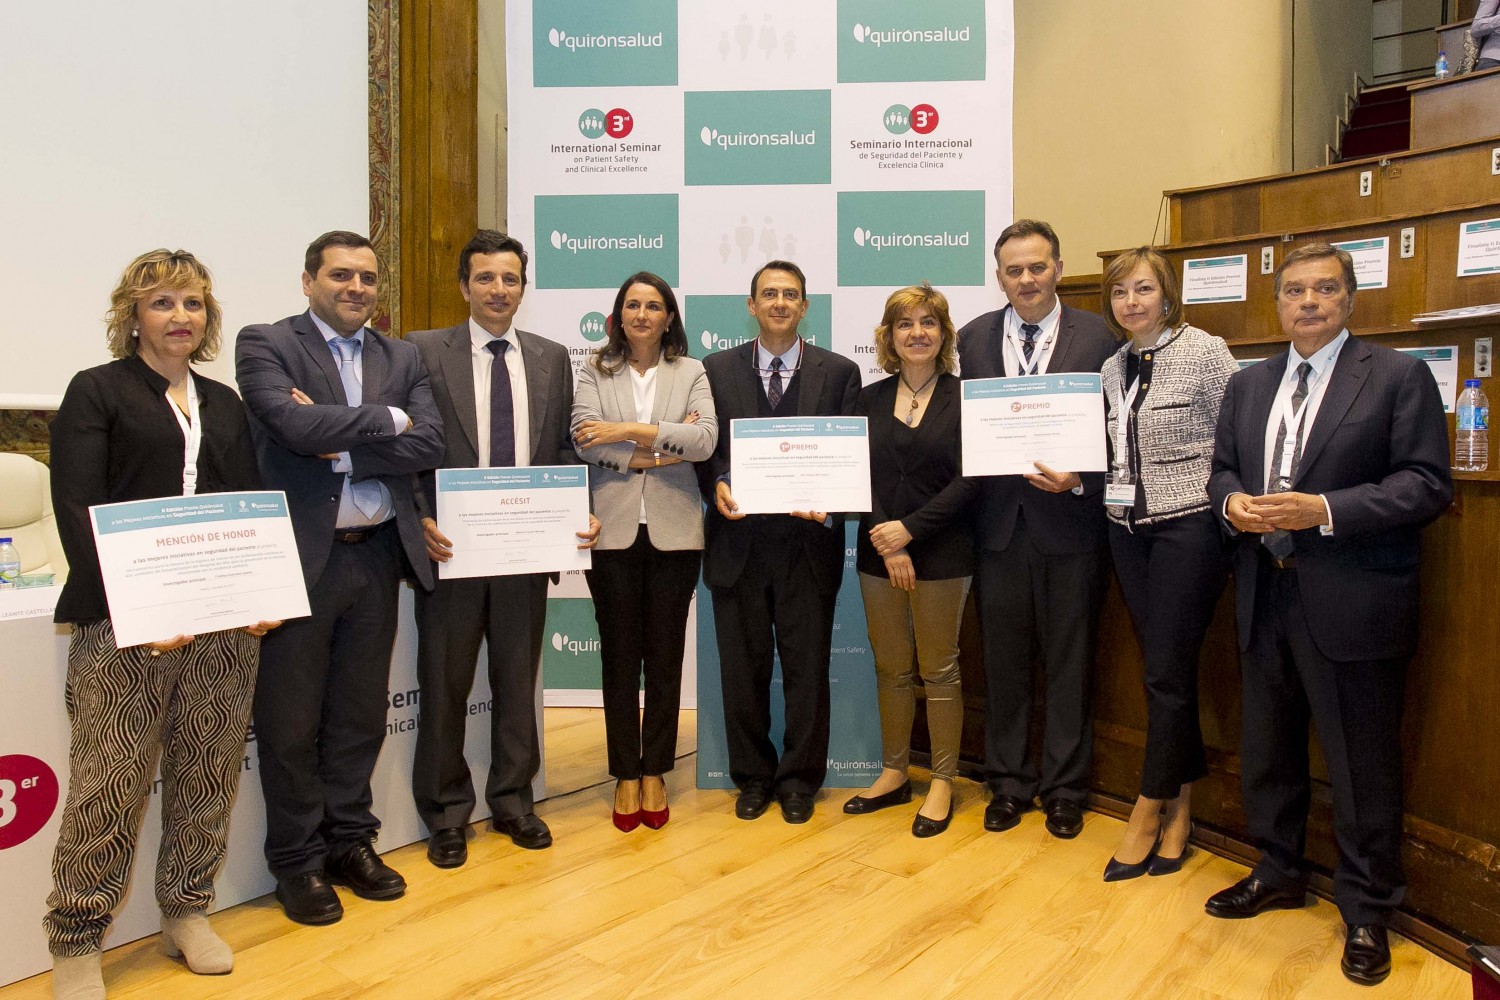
point(1442, 65)
point(1471, 445)
point(10, 565)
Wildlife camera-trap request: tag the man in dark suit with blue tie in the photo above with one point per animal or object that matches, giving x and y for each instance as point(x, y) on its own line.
point(1043, 550)
point(342, 417)
point(1328, 460)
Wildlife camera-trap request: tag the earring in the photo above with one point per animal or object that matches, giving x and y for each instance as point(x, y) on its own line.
point(135, 333)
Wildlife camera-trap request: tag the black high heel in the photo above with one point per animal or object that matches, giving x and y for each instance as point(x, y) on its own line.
point(1119, 871)
point(1171, 866)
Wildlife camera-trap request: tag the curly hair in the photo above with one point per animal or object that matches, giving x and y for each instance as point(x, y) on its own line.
point(152, 270)
point(903, 301)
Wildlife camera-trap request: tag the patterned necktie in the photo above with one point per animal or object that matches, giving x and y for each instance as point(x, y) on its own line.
point(773, 389)
point(1279, 542)
point(1028, 339)
point(502, 408)
point(366, 492)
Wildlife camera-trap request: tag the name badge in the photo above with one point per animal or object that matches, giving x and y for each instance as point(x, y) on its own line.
point(1119, 491)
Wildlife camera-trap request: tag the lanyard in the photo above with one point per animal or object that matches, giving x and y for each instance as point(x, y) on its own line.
point(1038, 350)
point(1125, 403)
point(192, 437)
point(1292, 446)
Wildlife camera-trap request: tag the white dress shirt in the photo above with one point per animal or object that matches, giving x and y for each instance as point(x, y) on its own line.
point(482, 362)
point(1046, 340)
point(1317, 386)
point(643, 388)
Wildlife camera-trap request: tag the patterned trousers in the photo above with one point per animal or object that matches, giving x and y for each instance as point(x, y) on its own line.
point(193, 706)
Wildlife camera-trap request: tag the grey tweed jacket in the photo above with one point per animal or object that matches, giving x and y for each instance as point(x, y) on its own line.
point(1172, 433)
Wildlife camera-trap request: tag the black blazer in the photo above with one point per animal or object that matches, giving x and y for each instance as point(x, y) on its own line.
point(115, 439)
point(827, 385)
point(1378, 451)
point(1063, 523)
point(272, 359)
point(923, 490)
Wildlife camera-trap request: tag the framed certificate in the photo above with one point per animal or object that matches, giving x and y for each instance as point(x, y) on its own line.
point(508, 521)
point(1010, 424)
point(778, 465)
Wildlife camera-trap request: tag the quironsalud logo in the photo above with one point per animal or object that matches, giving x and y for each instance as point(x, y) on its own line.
point(896, 238)
point(570, 657)
point(601, 45)
point(589, 241)
point(898, 40)
point(592, 327)
point(757, 137)
point(719, 322)
point(899, 119)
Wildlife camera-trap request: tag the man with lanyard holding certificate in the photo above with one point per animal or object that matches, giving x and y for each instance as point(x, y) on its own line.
point(1328, 460)
point(1042, 549)
point(774, 577)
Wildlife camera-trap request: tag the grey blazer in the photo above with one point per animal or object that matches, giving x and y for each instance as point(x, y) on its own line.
point(674, 507)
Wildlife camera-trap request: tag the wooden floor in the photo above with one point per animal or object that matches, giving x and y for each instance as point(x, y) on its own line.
point(710, 906)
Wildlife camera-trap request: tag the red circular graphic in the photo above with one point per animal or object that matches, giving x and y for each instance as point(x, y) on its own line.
point(618, 122)
point(28, 797)
point(924, 118)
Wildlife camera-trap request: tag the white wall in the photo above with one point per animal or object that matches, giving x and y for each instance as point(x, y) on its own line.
point(235, 131)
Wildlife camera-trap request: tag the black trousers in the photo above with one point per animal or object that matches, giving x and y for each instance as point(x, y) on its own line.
point(1356, 708)
point(508, 614)
point(1031, 602)
point(775, 607)
point(1171, 573)
point(320, 707)
point(641, 598)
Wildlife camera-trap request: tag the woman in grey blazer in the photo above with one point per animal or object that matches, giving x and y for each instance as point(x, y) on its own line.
point(1162, 392)
point(642, 414)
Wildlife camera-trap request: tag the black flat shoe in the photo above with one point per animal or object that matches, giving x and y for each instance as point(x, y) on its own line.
point(1064, 818)
point(796, 807)
point(447, 848)
point(921, 826)
point(1119, 871)
point(307, 898)
point(1004, 812)
point(1367, 954)
point(754, 800)
point(361, 869)
point(1250, 896)
point(524, 831)
point(862, 804)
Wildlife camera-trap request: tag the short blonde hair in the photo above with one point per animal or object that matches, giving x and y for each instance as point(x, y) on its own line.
point(1166, 279)
point(159, 269)
point(903, 301)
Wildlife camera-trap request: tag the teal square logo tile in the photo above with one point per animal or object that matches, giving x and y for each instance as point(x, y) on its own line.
point(570, 649)
point(719, 322)
point(896, 40)
point(757, 137)
point(577, 44)
point(598, 240)
point(904, 237)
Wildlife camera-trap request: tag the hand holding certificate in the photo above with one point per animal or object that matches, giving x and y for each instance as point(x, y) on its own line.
point(184, 565)
point(508, 521)
point(781, 465)
point(1014, 425)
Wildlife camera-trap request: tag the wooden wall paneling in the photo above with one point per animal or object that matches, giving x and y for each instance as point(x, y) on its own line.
point(1447, 178)
point(1455, 110)
point(438, 156)
point(1445, 289)
point(1317, 199)
point(1216, 213)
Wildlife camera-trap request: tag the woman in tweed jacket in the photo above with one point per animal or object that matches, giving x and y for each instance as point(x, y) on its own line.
point(1162, 392)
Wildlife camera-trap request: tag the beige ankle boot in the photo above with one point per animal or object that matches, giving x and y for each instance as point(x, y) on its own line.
point(77, 978)
point(192, 938)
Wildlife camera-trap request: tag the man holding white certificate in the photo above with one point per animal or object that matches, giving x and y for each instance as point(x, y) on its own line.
point(1042, 547)
point(774, 577)
point(505, 396)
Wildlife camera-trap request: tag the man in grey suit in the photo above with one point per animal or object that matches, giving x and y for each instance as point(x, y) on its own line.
point(1043, 550)
point(506, 397)
point(341, 417)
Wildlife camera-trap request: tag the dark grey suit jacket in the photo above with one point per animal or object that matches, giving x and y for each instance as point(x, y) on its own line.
point(271, 360)
point(1378, 451)
point(549, 392)
point(1061, 523)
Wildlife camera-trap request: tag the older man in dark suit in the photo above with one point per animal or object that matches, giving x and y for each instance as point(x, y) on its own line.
point(1328, 460)
point(506, 397)
point(774, 577)
point(342, 418)
point(1043, 550)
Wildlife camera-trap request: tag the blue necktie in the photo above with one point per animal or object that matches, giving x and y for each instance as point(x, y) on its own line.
point(773, 388)
point(365, 493)
point(1028, 338)
point(502, 408)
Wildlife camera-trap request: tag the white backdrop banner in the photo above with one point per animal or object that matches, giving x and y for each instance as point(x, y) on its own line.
point(867, 140)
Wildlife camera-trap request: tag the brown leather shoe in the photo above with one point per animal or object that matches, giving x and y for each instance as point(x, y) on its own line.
point(1250, 896)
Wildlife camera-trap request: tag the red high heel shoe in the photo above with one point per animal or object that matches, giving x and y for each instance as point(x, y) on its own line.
point(625, 822)
point(653, 818)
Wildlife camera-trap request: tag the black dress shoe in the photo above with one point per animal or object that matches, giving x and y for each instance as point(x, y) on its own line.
point(861, 804)
point(921, 826)
point(1064, 818)
point(796, 807)
point(447, 847)
point(1367, 954)
point(361, 869)
point(754, 800)
point(524, 831)
point(1004, 812)
point(1250, 896)
point(307, 898)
